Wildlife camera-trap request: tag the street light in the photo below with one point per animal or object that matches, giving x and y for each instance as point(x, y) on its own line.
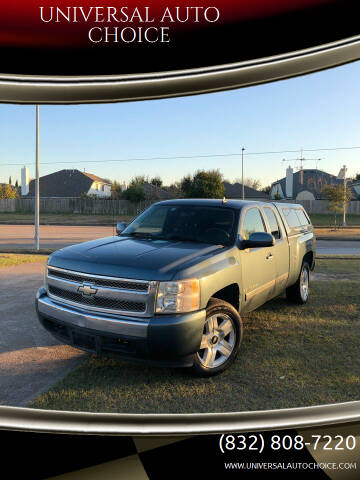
point(37, 193)
point(344, 218)
point(242, 170)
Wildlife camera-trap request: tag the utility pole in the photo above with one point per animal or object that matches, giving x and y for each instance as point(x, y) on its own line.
point(37, 193)
point(344, 218)
point(242, 170)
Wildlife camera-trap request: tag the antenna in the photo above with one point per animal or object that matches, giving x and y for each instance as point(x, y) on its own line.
point(302, 160)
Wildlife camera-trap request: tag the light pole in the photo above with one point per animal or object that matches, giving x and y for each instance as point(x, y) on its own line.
point(344, 218)
point(37, 193)
point(242, 170)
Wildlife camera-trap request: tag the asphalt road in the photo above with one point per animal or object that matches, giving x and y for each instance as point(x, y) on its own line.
point(31, 360)
point(337, 247)
point(51, 236)
point(14, 237)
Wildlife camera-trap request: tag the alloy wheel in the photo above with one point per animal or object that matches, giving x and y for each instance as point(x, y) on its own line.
point(218, 340)
point(304, 285)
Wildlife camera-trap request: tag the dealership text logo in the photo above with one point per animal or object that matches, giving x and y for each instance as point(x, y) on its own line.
point(124, 24)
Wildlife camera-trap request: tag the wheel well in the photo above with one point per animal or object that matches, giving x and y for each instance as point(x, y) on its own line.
point(229, 294)
point(309, 258)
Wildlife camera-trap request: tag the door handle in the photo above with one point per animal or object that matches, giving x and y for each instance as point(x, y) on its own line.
point(269, 256)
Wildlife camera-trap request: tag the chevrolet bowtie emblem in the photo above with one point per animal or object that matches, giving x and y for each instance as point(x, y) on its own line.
point(87, 290)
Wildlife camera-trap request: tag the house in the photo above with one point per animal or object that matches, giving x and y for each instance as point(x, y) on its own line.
point(153, 192)
point(234, 190)
point(356, 187)
point(305, 184)
point(69, 183)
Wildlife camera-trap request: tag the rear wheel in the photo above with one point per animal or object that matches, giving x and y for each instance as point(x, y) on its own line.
point(220, 341)
point(299, 292)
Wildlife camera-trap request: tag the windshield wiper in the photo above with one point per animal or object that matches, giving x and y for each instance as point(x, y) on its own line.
point(139, 235)
point(179, 238)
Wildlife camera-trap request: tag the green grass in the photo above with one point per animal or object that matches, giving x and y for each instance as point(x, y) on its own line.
point(349, 268)
point(7, 259)
point(322, 219)
point(291, 356)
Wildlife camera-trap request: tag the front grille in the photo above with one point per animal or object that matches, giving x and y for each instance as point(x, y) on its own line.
point(100, 282)
point(99, 302)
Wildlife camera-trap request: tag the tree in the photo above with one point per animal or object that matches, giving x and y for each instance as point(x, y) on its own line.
point(134, 193)
point(16, 184)
point(156, 181)
point(174, 189)
point(250, 182)
point(266, 189)
point(116, 190)
point(357, 177)
point(203, 184)
point(186, 185)
point(137, 180)
point(338, 198)
point(7, 191)
point(10, 181)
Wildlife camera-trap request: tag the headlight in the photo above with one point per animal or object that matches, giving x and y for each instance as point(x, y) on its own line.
point(181, 296)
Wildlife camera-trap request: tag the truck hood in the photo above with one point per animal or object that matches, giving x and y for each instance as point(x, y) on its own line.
point(135, 258)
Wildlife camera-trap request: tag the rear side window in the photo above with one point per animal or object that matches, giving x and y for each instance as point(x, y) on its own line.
point(253, 222)
point(302, 217)
point(291, 218)
point(274, 226)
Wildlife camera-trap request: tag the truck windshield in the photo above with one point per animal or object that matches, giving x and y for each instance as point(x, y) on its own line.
point(200, 224)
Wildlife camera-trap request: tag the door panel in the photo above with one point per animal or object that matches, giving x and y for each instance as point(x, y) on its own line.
point(257, 264)
point(280, 249)
point(258, 273)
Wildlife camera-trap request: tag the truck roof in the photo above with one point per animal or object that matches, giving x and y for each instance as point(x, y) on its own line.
point(230, 203)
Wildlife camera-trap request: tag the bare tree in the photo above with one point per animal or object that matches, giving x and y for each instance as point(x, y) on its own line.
point(250, 182)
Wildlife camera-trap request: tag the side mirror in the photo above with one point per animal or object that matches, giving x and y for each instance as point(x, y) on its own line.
point(258, 240)
point(120, 227)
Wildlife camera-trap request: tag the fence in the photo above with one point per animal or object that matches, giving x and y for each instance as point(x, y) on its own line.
point(322, 206)
point(82, 206)
point(103, 206)
point(7, 205)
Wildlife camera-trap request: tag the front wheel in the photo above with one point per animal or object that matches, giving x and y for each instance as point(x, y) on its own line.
point(299, 292)
point(220, 341)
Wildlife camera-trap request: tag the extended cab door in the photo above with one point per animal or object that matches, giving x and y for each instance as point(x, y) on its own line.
point(257, 264)
point(280, 250)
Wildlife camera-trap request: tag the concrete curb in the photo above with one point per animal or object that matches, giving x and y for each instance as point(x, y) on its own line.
point(27, 251)
point(338, 239)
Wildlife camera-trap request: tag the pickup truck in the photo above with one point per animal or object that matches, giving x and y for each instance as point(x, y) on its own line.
point(171, 287)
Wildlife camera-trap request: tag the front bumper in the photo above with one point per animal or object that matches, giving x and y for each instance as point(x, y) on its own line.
point(169, 340)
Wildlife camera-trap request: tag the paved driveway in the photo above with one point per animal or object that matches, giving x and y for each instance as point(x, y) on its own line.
point(31, 360)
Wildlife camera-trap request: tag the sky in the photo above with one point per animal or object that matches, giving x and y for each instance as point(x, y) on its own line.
point(316, 111)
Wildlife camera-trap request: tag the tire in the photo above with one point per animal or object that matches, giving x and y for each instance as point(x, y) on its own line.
point(299, 292)
point(223, 332)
